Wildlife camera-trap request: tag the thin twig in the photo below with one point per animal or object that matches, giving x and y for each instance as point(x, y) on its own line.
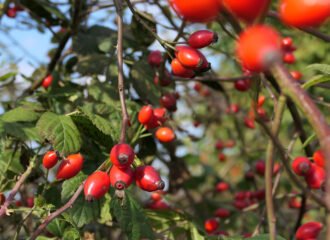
point(121, 85)
point(4, 207)
point(58, 212)
point(269, 168)
point(212, 79)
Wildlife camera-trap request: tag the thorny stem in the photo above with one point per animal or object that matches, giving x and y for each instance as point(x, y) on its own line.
point(121, 85)
point(58, 212)
point(4, 207)
point(269, 168)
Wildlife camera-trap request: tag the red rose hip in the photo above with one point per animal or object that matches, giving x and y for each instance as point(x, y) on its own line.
point(96, 185)
point(122, 155)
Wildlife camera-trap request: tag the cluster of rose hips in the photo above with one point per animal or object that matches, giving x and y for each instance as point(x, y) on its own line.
point(220, 145)
point(121, 174)
point(188, 60)
point(288, 49)
point(12, 10)
point(313, 172)
point(154, 118)
point(29, 201)
point(256, 109)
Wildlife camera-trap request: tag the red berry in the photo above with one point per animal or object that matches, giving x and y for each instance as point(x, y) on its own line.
point(260, 167)
point(240, 204)
point(219, 145)
point(233, 108)
point(259, 194)
point(309, 230)
point(158, 205)
point(155, 58)
point(146, 114)
point(296, 75)
point(315, 177)
point(222, 187)
point(148, 179)
point(202, 38)
point(165, 134)
point(160, 113)
point(168, 101)
point(189, 57)
point(11, 12)
point(18, 203)
point(30, 202)
point(96, 185)
point(289, 58)
point(301, 166)
point(294, 202)
point(242, 85)
point(221, 157)
point(121, 178)
point(222, 213)
point(70, 166)
point(258, 47)
point(47, 81)
point(249, 123)
point(181, 71)
point(211, 225)
point(261, 101)
point(249, 175)
point(50, 159)
point(287, 44)
point(247, 10)
point(197, 11)
point(197, 86)
point(156, 196)
point(2, 198)
point(304, 13)
point(319, 158)
point(122, 155)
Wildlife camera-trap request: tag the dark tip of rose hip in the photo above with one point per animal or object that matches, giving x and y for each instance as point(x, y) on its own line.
point(123, 158)
point(160, 185)
point(89, 198)
point(120, 185)
point(215, 38)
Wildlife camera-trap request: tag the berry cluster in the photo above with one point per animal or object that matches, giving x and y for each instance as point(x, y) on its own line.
point(313, 172)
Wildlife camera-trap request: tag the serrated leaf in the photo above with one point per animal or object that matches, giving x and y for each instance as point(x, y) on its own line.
point(101, 123)
point(61, 132)
point(105, 210)
point(71, 185)
point(84, 212)
point(22, 131)
point(323, 68)
point(194, 234)
point(131, 218)
point(316, 80)
point(20, 114)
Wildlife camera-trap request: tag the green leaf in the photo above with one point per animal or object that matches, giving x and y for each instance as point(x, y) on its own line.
point(101, 123)
point(20, 114)
point(84, 212)
point(61, 132)
point(143, 36)
point(56, 227)
point(71, 234)
point(105, 210)
point(71, 185)
point(131, 218)
point(10, 160)
point(22, 131)
point(194, 234)
point(323, 68)
point(265, 237)
point(316, 80)
point(105, 45)
point(7, 76)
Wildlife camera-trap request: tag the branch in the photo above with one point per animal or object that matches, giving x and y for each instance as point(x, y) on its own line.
point(269, 168)
point(21, 180)
point(58, 212)
point(121, 85)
